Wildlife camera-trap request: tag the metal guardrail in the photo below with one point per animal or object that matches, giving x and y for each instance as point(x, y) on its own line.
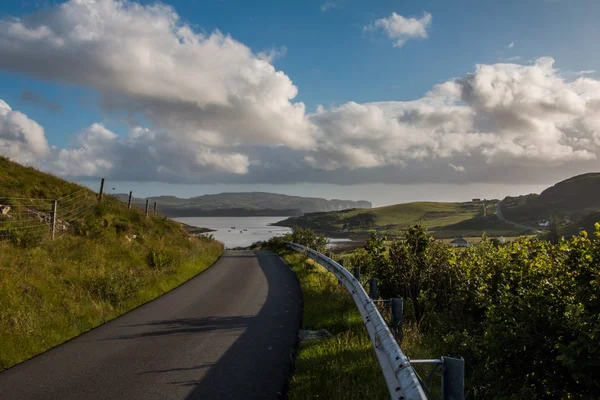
point(400, 377)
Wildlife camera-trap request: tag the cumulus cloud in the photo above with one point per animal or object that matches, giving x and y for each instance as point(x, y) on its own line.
point(200, 88)
point(21, 138)
point(216, 112)
point(400, 29)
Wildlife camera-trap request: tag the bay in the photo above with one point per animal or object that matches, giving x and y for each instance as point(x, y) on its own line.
point(238, 231)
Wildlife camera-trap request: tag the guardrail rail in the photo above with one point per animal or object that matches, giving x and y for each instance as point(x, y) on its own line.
point(401, 379)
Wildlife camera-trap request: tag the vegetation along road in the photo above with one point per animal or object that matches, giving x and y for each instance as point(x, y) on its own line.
point(227, 333)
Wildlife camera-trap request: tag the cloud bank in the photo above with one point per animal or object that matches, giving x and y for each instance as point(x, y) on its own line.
point(217, 112)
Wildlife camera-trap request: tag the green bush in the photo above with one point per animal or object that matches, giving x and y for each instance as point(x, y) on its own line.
point(159, 259)
point(525, 315)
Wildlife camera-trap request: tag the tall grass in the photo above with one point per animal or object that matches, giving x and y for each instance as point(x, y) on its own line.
point(111, 261)
point(343, 366)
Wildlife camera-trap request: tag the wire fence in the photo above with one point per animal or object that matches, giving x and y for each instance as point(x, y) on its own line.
point(21, 216)
point(26, 218)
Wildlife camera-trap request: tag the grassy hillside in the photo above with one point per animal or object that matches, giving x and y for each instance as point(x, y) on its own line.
point(105, 261)
point(443, 219)
point(568, 201)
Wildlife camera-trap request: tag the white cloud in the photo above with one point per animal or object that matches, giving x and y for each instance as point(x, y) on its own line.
point(21, 138)
point(201, 88)
point(587, 72)
point(400, 29)
point(511, 45)
point(272, 54)
point(217, 112)
point(331, 4)
point(457, 168)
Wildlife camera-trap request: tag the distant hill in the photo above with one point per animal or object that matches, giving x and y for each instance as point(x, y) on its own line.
point(568, 201)
point(245, 203)
point(441, 219)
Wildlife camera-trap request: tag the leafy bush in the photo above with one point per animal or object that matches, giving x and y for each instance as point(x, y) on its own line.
point(159, 259)
point(525, 315)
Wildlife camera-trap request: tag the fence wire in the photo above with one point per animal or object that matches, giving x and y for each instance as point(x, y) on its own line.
point(23, 218)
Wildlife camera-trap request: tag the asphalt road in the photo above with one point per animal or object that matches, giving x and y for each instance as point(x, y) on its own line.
point(226, 334)
point(501, 216)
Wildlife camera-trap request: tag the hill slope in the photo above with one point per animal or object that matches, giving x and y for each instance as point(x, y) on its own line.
point(105, 260)
point(246, 203)
point(567, 201)
point(443, 219)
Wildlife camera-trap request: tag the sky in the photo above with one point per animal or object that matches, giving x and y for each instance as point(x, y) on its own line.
point(388, 102)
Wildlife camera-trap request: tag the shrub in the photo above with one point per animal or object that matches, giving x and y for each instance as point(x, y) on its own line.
point(158, 259)
point(525, 315)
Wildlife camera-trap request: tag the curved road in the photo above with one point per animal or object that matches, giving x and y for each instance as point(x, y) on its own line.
point(228, 333)
point(501, 216)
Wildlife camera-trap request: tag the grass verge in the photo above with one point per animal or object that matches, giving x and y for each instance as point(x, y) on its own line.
point(343, 366)
point(52, 291)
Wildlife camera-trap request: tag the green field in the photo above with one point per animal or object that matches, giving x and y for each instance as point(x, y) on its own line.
point(444, 220)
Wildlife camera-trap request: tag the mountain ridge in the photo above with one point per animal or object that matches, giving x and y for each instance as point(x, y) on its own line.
point(255, 204)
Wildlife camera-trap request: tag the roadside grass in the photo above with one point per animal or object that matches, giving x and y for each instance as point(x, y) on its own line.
point(57, 290)
point(109, 261)
point(343, 366)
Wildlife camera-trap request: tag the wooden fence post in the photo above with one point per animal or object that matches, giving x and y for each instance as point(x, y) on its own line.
point(101, 194)
point(154, 208)
point(147, 202)
point(53, 221)
point(129, 202)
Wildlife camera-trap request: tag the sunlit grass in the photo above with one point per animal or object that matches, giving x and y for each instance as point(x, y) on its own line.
point(343, 366)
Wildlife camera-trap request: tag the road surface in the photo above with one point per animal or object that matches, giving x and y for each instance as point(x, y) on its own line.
point(501, 216)
point(228, 333)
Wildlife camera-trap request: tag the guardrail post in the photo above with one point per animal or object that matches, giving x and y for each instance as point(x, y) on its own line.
point(342, 262)
point(453, 378)
point(101, 194)
point(397, 316)
point(53, 221)
point(373, 288)
point(129, 201)
point(357, 273)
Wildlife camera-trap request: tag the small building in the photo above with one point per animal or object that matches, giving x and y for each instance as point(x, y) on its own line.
point(460, 242)
point(501, 239)
point(544, 223)
point(476, 200)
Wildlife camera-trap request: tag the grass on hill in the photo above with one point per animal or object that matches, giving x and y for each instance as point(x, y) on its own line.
point(443, 219)
point(109, 261)
point(343, 366)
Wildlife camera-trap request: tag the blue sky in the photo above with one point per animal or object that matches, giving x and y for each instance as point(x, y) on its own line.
point(333, 60)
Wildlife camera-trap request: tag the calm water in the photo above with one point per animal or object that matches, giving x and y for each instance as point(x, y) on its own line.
point(247, 229)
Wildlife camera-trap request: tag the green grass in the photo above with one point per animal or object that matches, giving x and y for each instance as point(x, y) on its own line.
point(343, 366)
point(110, 261)
point(443, 220)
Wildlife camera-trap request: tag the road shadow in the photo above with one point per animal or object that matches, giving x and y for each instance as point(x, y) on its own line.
point(258, 364)
point(187, 325)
